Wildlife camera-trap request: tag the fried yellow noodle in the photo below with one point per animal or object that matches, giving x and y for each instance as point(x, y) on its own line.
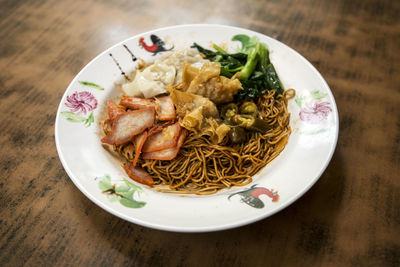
point(202, 167)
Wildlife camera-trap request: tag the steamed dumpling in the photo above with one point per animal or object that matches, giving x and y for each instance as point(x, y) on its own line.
point(152, 80)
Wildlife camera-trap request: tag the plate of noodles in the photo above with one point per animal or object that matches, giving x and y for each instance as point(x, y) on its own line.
point(196, 128)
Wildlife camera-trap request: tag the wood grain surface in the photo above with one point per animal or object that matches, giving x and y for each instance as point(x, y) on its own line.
point(351, 217)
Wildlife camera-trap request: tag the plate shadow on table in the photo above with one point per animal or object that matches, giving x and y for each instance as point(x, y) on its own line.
point(307, 226)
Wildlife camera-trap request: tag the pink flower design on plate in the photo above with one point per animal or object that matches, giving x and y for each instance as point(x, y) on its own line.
point(316, 113)
point(81, 102)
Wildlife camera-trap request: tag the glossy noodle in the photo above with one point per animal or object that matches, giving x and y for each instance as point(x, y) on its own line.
point(203, 167)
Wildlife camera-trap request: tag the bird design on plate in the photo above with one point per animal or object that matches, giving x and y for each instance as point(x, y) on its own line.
point(157, 45)
point(251, 196)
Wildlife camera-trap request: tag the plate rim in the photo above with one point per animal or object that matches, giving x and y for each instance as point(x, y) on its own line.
point(192, 229)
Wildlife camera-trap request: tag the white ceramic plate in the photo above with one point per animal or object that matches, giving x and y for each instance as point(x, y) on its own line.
point(314, 122)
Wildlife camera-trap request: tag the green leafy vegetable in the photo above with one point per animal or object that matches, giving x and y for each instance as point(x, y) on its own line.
point(273, 79)
point(255, 70)
point(219, 49)
point(230, 63)
point(247, 42)
point(252, 60)
point(205, 52)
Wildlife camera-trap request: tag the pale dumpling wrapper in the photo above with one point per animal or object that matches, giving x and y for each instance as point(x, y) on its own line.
point(152, 80)
point(207, 82)
point(199, 114)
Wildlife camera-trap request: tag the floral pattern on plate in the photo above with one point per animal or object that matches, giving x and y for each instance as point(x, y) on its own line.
point(314, 109)
point(123, 192)
point(79, 104)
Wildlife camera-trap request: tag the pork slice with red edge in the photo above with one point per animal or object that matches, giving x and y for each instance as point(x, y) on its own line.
point(139, 142)
point(114, 109)
point(129, 124)
point(155, 129)
point(134, 102)
point(165, 108)
point(169, 153)
point(138, 174)
point(167, 138)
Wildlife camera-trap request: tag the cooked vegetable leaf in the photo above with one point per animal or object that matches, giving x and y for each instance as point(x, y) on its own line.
point(247, 42)
point(206, 52)
point(273, 80)
point(256, 72)
point(252, 60)
point(219, 49)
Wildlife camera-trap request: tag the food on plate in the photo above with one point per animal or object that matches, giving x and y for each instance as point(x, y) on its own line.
point(199, 120)
point(151, 81)
point(125, 126)
point(208, 82)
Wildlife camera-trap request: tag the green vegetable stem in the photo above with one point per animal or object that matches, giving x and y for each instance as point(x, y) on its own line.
point(252, 59)
point(256, 72)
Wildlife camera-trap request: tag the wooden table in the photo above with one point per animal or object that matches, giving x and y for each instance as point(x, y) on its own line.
point(351, 217)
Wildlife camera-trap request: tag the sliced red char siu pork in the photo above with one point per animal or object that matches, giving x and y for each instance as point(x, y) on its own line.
point(139, 142)
point(166, 138)
point(114, 109)
point(169, 153)
point(155, 129)
point(129, 124)
point(134, 102)
point(165, 108)
point(138, 174)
